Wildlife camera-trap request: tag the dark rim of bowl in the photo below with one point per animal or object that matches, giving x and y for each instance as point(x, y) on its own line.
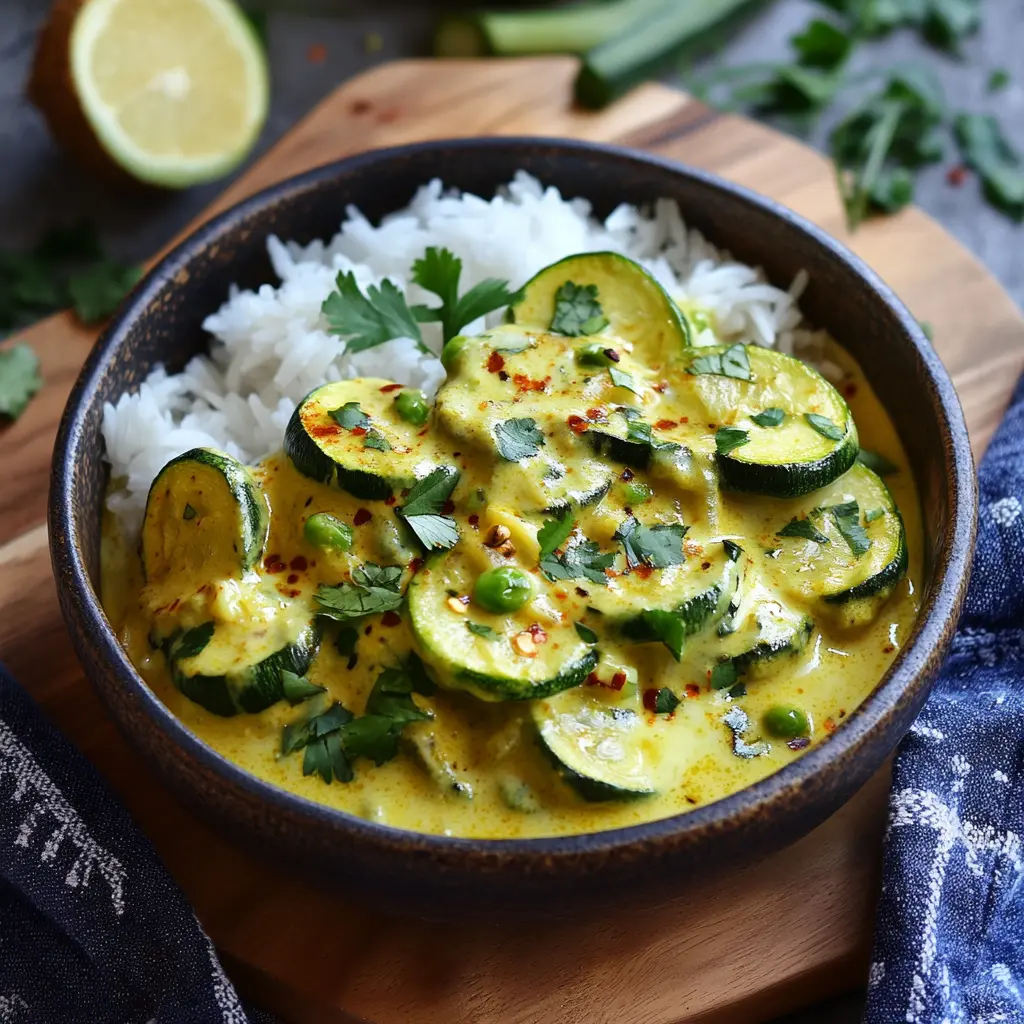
point(903, 681)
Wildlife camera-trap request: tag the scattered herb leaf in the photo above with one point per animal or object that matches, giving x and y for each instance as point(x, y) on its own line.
point(728, 439)
point(824, 426)
point(732, 550)
point(772, 417)
point(581, 560)
point(424, 506)
point(847, 520)
point(802, 528)
point(350, 416)
point(553, 534)
point(621, 379)
point(733, 362)
point(985, 148)
point(19, 379)
point(723, 675)
point(193, 641)
point(479, 629)
point(297, 688)
point(188, 513)
point(366, 321)
point(655, 546)
point(375, 439)
point(665, 701)
point(578, 311)
point(585, 633)
point(374, 589)
point(998, 80)
point(518, 439)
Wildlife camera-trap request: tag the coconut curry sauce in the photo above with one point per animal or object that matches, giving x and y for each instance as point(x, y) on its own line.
point(595, 584)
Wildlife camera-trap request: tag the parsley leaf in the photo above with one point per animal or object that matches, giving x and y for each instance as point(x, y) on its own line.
point(479, 629)
point(665, 701)
point(97, 291)
point(733, 362)
point(655, 546)
point(553, 534)
point(728, 439)
point(582, 560)
point(365, 321)
point(376, 440)
point(585, 633)
point(297, 688)
point(658, 624)
point(824, 426)
point(424, 505)
point(193, 641)
point(772, 417)
point(621, 379)
point(19, 379)
point(518, 439)
point(374, 589)
point(578, 311)
point(847, 520)
point(435, 533)
point(872, 514)
point(802, 528)
point(350, 416)
point(439, 271)
point(822, 44)
point(877, 463)
point(984, 148)
point(723, 675)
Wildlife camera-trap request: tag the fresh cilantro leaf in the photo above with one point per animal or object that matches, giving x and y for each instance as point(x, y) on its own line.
point(723, 675)
point(19, 379)
point(350, 416)
point(949, 21)
point(847, 520)
point(655, 546)
point(376, 440)
point(430, 494)
point(985, 148)
point(585, 633)
point(824, 426)
point(732, 550)
point(330, 720)
point(769, 418)
point(518, 439)
point(628, 413)
point(639, 432)
point(998, 80)
point(728, 439)
point(435, 533)
point(877, 463)
point(582, 560)
point(802, 528)
point(621, 379)
point(97, 291)
point(326, 758)
point(578, 311)
point(658, 624)
point(553, 534)
point(479, 629)
point(188, 512)
point(391, 697)
point(872, 514)
point(193, 641)
point(374, 589)
point(664, 701)
point(365, 321)
point(439, 271)
point(297, 688)
point(372, 736)
point(421, 682)
point(733, 362)
point(822, 45)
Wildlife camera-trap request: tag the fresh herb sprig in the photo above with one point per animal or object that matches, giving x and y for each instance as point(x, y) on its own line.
point(424, 509)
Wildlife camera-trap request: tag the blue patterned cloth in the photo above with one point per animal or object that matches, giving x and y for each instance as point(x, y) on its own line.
point(93, 930)
point(949, 943)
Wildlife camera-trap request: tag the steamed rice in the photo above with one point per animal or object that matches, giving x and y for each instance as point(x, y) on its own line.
point(270, 347)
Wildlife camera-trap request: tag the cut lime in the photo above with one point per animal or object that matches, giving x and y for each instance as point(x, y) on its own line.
point(174, 90)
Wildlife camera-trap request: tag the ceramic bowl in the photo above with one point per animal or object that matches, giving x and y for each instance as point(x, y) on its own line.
point(161, 323)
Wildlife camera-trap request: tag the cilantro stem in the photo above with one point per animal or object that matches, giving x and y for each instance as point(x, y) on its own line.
point(881, 141)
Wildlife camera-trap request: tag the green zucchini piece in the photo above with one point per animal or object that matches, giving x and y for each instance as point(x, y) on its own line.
point(205, 516)
point(850, 588)
point(639, 311)
point(349, 433)
point(239, 670)
point(420, 740)
point(793, 458)
point(604, 752)
point(490, 662)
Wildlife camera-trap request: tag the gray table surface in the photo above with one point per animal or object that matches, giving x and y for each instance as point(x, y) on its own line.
point(39, 186)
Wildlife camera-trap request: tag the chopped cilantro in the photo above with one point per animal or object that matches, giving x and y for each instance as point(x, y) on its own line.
point(374, 589)
point(193, 641)
point(872, 514)
point(518, 439)
point(723, 675)
point(732, 550)
point(728, 439)
point(655, 546)
point(581, 560)
point(585, 633)
point(733, 362)
point(375, 439)
point(665, 701)
point(350, 416)
point(365, 321)
point(424, 506)
point(297, 688)
point(824, 426)
point(553, 534)
point(802, 528)
point(998, 80)
point(578, 311)
point(97, 291)
point(19, 379)
point(847, 520)
point(479, 629)
point(621, 379)
point(769, 418)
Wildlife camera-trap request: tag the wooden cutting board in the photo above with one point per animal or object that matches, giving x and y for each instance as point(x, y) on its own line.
point(739, 947)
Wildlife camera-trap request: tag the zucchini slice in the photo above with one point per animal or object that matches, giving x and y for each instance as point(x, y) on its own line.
point(787, 460)
point(349, 433)
point(637, 308)
point(205, 517)
point(604, 752)
point(498, 661)
point(239, 669)
point(851, 588)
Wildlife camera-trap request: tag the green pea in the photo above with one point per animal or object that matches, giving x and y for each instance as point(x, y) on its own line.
point(412, 407)
point(327, 532)
point(503, 590)
point(637, 492)
point(452, 350)
point(594, 354)
point(786, 722)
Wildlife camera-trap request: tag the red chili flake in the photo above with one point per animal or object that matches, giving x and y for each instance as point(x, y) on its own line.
point(391, 387)
point(798, 743)
point(661, 387)
point(317, 53)
point(474, 520)
point(456, 455)
point(424, 432)
point(712, 426)
point(644, 571)
point(538, 634)
point(390, 500)
point(273, 563)
point(684, 419)
point(502, 376)
point(299, 563)
point(577, 424)
point(325, 430)
point(597, 414)
point(415, 564)
point(363, 515)
point(592, 680)
point(957, 175)
point(692, 690)
point(582, 592)
point(888, 649)
point(850, 389)
point(666, 424)
point(561, 595)
point(842, 713)
point(390, 619)
point(309, 501)
point(618, 681)
point(174, 604)
point(692, 800)
point(610, 353)
point(368, 630)
point(448, 507)
point(523, 383)
point(495, 362)
point(358, 431)
point(293, 578)
point(627, 475)
point(650, 700)
point(830, 726)
point(705, 565)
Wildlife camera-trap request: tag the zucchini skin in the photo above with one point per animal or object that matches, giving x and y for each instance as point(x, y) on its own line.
point(882, 583)
point(767, 650)
point(508, 688)
point(789, 480)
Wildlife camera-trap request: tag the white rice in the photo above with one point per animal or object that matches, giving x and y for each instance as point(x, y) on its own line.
point(270, 347)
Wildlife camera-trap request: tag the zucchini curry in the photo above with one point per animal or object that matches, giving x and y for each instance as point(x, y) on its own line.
point(604, 578)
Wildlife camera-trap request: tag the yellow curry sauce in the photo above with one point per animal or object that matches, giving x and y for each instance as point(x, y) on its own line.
point(478, 766)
